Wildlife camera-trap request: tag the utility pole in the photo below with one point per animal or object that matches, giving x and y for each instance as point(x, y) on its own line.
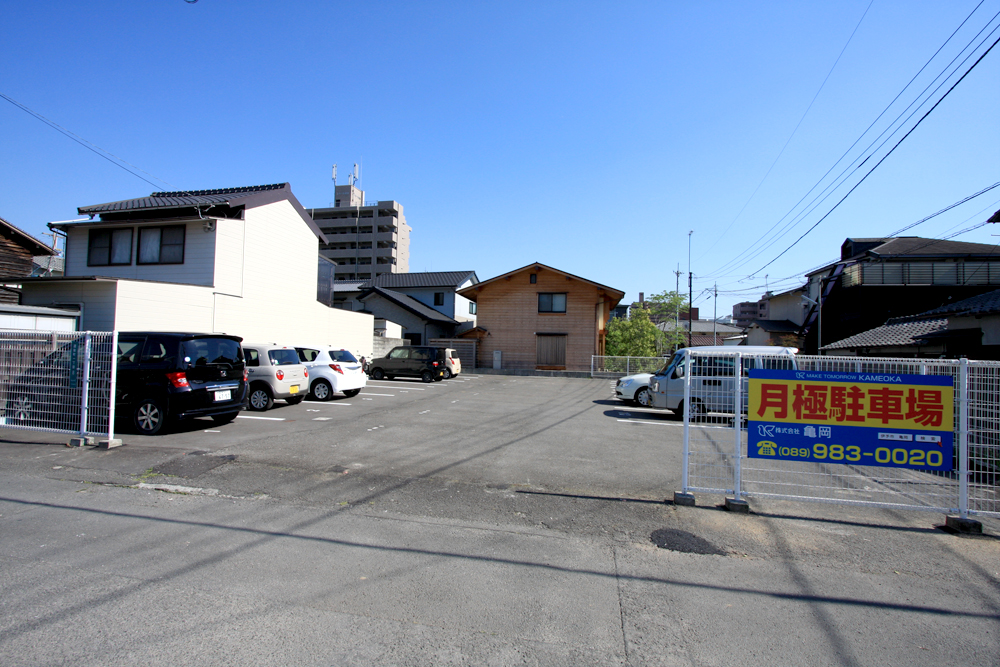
point(677, 308)
point(715, 316)
point(690, 291)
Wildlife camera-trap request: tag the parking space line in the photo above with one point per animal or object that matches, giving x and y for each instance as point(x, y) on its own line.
point(322, 419)
point(270, 419)
point(369, 394)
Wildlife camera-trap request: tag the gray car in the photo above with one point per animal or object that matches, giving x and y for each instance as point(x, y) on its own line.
point(275, 372)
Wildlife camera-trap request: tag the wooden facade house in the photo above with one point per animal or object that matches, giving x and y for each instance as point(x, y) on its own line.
point(538, 317)
point(17, 252)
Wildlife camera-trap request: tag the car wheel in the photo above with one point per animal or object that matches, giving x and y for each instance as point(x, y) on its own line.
point(378, 374)
point(427, 376)
point(643, 397)
point(350, 393)
point(447, 374)
point(697, 411)
point(225, 418)
point(260, 398)
point(321, 390)
point(149, 416)
point(294, 400)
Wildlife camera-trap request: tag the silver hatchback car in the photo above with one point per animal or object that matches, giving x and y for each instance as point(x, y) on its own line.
point(274, 371)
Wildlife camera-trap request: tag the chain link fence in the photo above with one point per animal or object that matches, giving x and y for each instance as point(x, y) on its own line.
point(58, 381)
point(616, 367)
point(716, 456)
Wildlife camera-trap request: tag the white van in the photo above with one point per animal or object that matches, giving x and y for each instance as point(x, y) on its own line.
point(712, 375)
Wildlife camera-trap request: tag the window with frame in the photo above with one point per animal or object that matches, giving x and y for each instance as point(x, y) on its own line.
point(109, 247)
point(472, 308)
point(552, 302)
point(161, 245)
point(438, 298)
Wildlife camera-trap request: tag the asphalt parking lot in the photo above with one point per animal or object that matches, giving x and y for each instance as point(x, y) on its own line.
point(480, 520)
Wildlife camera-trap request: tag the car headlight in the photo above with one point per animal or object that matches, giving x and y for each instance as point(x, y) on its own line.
point(625, 383)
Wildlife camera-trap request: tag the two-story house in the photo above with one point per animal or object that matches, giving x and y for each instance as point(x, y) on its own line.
point(538, 317)
point(427, 304)
point(242, 261)
point(877, 279)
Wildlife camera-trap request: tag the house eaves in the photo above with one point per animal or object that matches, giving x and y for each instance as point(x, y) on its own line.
point(471, 292)
point(25, 240)
point(408, 303)
point(221, 203)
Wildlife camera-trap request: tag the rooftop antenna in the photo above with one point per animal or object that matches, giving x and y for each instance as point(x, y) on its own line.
point(335, 176)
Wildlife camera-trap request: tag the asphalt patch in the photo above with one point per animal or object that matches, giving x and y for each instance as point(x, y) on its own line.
point(685, 542)
point(192, 464)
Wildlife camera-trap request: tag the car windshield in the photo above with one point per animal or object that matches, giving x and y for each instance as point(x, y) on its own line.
point(211, 351)
point(283, 357)
point(342, 355)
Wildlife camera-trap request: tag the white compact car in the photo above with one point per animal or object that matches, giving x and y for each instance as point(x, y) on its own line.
point(332, 370)
point(635, 388)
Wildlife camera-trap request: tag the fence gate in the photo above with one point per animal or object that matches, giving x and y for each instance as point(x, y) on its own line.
point(716, 456)
point(58, 381)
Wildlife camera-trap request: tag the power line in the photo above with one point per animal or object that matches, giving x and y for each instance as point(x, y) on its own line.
point(89, 146)
point(922, 118)
point(944, 210)
point(795, 130)
point(749, 253)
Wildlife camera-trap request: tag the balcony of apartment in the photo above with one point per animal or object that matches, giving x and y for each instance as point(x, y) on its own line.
point(922, 273)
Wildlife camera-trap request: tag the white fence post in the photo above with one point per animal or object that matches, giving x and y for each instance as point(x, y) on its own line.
point(111, 397)
point(963, 438)
point(686, 409)
point(738, 426)
point(85, 398)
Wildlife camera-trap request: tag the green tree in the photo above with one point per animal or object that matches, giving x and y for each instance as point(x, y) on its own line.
point(665, 309)
point(636, 336)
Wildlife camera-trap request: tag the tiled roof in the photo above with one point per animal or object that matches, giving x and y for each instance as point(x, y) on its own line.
point(181, 199)
point(450, 279)
point(983, 304)
point(901, 332)
point(409, 303)
point(917, 246)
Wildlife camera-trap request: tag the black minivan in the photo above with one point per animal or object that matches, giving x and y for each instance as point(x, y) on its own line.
point(173, 376)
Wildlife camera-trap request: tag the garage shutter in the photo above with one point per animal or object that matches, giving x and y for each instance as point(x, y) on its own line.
point(551, 350)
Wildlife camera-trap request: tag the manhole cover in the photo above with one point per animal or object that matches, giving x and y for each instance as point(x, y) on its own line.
point(680, 540)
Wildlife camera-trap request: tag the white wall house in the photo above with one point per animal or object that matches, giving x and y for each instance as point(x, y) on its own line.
point(240, 261)
point(434, 289)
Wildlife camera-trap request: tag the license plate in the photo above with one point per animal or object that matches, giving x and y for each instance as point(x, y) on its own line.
point(226, 395)
point(294, 389)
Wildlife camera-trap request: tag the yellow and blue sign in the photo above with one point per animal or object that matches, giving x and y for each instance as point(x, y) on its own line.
point(881, 419)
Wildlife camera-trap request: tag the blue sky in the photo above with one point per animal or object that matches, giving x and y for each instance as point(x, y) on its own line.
point(590, 136)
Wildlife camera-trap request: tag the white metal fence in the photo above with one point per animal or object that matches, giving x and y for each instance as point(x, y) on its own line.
point(616, 367)
point(58, 381)
point(715, 442)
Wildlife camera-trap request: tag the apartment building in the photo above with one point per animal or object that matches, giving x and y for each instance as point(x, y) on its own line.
point(365, 239)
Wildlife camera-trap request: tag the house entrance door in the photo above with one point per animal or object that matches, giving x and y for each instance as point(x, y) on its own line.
point(551, 351)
